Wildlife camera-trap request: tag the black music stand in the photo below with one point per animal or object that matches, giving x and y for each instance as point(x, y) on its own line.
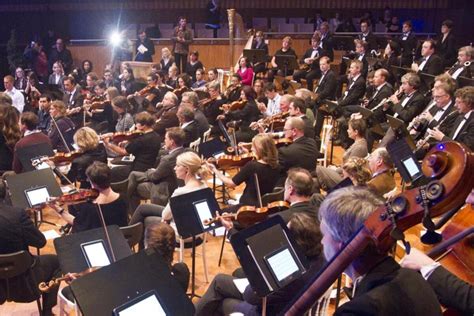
point(371, 121)
point(255, 55)
point(19, 185)
point(189, 212)
point(288, 62)
point(400, 131)
point(104, 291)
point(256, 245)
point(406, 162)
point(211, 148)
point(70, 255)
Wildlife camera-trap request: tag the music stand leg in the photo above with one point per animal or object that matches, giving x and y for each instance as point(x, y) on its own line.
point(193, 270)
point(222, 248)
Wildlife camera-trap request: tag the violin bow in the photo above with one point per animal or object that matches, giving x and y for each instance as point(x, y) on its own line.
point(60, 134)
point(107, 237)
point(257, 185)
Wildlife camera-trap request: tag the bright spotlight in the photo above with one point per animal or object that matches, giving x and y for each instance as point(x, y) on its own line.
point(115, 39)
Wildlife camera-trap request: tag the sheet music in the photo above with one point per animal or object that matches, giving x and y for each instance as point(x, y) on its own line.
point(142, 49)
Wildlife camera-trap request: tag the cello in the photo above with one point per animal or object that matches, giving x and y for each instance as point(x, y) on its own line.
point(449, 167)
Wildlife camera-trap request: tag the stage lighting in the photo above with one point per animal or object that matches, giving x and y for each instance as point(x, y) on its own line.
point(115, 39)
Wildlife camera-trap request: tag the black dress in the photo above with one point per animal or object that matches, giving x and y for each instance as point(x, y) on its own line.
point(145, 149)
point(77, 172)
point(267, 178)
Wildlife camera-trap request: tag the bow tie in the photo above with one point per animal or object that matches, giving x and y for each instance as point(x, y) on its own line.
point(406, 34)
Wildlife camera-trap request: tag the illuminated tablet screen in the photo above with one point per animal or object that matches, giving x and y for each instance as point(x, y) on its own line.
point(143, 305)
point(203, 212)
point(37, 196)
point(411, 167)
point(283, 266)
point(95, 253)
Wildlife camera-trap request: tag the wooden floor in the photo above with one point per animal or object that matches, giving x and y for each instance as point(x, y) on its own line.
point(229, 260)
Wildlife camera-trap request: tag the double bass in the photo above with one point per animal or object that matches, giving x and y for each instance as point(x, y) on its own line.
point(449, 167)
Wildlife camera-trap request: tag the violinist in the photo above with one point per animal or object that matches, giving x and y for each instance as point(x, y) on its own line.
point(17, 233)
point(73, 100)
point(212, 110)
point(84, 216)
point(153, 93)
point(265, 167)
point(381, 286)
point(188, 124)
point(144, 148)
point(172, 80)
point(167, 114)
point(31, 136)
point(33, 92)
point(199, 83)
point(258, 87)
point(10, 134)
point(62, 128)
point(100, 112)
point(44, 119)
point(90, 83)
point(232, 93)
point(184, 83)
point(88, 144)
point(127, 81)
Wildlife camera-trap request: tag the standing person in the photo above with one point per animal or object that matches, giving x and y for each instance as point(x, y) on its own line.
point(9, 135)
point(407, 43)
point(73, 100)
point(62, 54)
point(446, 44)
point(145, 49)
point(182, 37)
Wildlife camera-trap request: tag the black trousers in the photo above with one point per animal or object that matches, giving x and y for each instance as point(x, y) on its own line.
point(309, 76)
point(180, 60)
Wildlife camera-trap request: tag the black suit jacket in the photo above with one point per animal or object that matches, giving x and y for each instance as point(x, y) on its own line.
point(191, 133)
point(407, 47)
point(299, 207)
point(371, 39)
point(327, 86)
point(354, 93)
point(328, 45)
point(308, 53)
point(466, 134)
point(390, 290)
point(434, 65)
point(414, 107)
point(301, 153)
point(451, 291)
point(385, 92)
point(447, 49)
point(434, 123)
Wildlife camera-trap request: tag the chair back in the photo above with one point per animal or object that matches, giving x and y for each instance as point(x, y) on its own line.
point(133, 234)
point(273, 196)
point(195, 145)
point(325, 141)
point(206, 135)
point(14, 264)
point(320, 308)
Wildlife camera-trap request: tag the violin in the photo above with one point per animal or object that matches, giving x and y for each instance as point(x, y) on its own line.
point(236, 105)
point(449, 167)
point(63, 158)
point(180, 91)
point(76, 197)
point(279, 142)
point(248, 215)
point(206, 102)
point(232, 161)
point(46, 287)
point(276, 121)
point(146, 90)
point(125, 136)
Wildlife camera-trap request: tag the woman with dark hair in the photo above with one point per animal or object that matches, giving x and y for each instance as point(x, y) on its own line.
point(85, 216)
point(33, 91)
point(20, 79)
point(86, 68)
point(446, 44)
point(127, 82)
point(223, 298)
point(193, 65)
point(265, 166)
point(245, 71)
point(9, 136)
point(161, 237)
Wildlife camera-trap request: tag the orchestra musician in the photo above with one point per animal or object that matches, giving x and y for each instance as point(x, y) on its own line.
point(446, 44)
point(200, 83)
point(233, 91)
point(265, 166)
point(298, 108)
point(167, 114)
point(310, 63)
point(408, 44)
point(172, 80)
point(272, 107)
point(326, 90)
point(380, 285)
point(285, 50)
point(56, 78)
point(10, 134)
point(73, 100)
point(245, 71)
point(430, 64)
point(127, 81)
point(62, 128)
point(258, 87)
point(259, 43)
point(44, 119)
point(188, 124)
point(326, 42)
point(84, 216)
point(193, 65)
point(191, 99)
point(367, 36)
point(101, 117)
point(122, 107)
point(212, 110)
point(463, 67)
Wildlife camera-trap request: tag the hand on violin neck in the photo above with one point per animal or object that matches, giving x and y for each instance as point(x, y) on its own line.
point(225, 221)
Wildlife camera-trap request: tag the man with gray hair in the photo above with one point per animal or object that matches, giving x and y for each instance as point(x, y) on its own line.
point(380, 285)
point(167, 114)
point(191, 99)
point(463, 67)
point(381, 166)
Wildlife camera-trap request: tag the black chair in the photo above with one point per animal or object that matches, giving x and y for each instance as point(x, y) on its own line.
point(17, 281)
point(133, 234)
point(276, 195)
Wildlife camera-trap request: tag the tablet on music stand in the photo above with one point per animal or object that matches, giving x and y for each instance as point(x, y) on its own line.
point(37, 195)
point(398, 126)
point(405, 161)
point(95, 253)
point(283, 265)
point(142, 305)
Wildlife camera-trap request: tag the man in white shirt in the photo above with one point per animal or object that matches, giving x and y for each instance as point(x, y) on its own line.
point(17, 97)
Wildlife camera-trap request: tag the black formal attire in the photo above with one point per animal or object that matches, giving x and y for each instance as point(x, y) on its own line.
point(63, 56)
point(326, 90)
point(451, 291)
point(74, 100)
point(433, 66)
point(280, 69)
point(464, 72)
point(67, 128)
point(354, 92)
point(191, 133)
point(260, 67)
point(77, 172)
point(6, 154)
point(248, 114)
point(128, 87)
point(308, 127)
point(313, 71)
point(327, 45)
point(212, 111)
point(44, 121)
point(301, 153)
point(166, 118)
point(103, 122)
point(192, 68)
point(299, 207)
point(267, 178)
point(148, 55)
point(17, 232)
point(35, 138)
point(408, 44)
point(371, 40)
point(165, 67)
point(447, 49)
point(201, 120)
point(466, 134)
point(388, 290)
point(86, 215)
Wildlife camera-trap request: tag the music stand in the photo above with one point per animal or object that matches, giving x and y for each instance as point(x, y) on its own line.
point(121, 285)
point(400, 131)
point(288, 62)
point(69, 251)
point(189, 212)
point(28, 153)
point(23, 184)
point(256, 247)
point(211, 148)
point(406, 162)
point(255, 55)
point(372, 123)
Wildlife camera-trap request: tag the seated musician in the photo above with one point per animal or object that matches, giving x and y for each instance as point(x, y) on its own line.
point(31, 136)
point(381, 167)
point(73, 100)
point(360, 54)
point(158, 183)
point(122, 107)
point(326, 90)
point(232, 93)
point(90, 82)
point(299, 109)
point(265, 167)
point(184, 83)
point(85, 216)
point(258, 87)
point(310, 63)
point(213, 109)
point(223, 297)
point(188, 124)
point(62, 128)
point(162, 238)
point(380, 287)
point(166, 116)
point(191, 99)
point(17, 233)
point(190, 169)
point(281, 70)
point(463, 67)
point(110, 80)
point(153, 93)
point(408, 43)
point(328, 177)
point(88, 144)
point(259, 43)
point(172, 80)
point(355, 85)
point(272, 106)
point(200, 82)
point(245, 71)
point(193, 65)
point(430, 64)
point(10, 134)
point(391, 57)
point(127, 82)
point(143, 147)
point(167, 60)
point(101, 117)
point(302, 152)
point(44, 119)
point(248, 114)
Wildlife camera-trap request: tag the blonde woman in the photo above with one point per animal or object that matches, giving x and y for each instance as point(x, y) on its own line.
point(166, 60)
